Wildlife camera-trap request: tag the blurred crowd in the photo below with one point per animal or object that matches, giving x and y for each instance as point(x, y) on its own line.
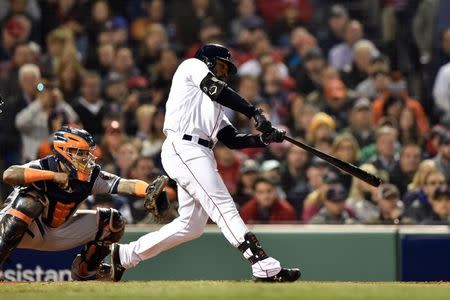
point(367, 81)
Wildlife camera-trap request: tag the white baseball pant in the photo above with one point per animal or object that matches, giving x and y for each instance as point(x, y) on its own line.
point(201, 194)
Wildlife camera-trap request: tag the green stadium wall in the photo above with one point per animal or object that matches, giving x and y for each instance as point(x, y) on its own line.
point(322, 253)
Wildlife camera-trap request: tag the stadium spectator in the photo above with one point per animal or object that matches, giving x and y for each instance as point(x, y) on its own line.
point(32, 121)
point(404, 170)
point(266, 206)
point(315, 199)
point(390, 206)
point(249, 172)
point(360, 122)
point(362, 200)
point(420, 207)
point(442, 159)
point(333, 210)
point(440, 207)
point(341, 55)
point(90, 107)
point(334, 34)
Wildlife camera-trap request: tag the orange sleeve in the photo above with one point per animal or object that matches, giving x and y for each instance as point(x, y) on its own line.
point(32, 175)
point(140, 188)
point(377, 110)
point(419, 113)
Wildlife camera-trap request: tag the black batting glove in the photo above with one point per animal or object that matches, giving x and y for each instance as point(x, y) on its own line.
point(274, 136)
point(262, 124)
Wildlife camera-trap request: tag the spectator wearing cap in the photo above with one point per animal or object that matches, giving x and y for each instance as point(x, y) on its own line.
point(322, 126)
point(266, 206)
point(337, 102)
point(271, 170)
point(334, 33)
point(442, 159)
point(249, 172)
point(90, 106)
point(315, 199)
point(334, 210)
point(32, 121)
point(342, 54)
point(440, 207)
point(390, 207)
point(362, 200)
point(419, 201)
point(403, 172)
point(360, 122)
point(308, 77)
point(394, 99)
point(378, 81)
point(364, 51)
point(119, 27)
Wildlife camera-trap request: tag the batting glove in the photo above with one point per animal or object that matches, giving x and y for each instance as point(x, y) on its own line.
point(262, 124)
point(273, 136)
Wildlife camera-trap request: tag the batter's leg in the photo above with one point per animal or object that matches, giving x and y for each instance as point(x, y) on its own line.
point(189, 225)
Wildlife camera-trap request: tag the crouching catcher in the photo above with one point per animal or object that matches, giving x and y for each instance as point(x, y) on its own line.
point(42, 211)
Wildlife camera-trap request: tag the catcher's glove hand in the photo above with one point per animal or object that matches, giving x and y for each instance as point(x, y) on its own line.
point(156, 202)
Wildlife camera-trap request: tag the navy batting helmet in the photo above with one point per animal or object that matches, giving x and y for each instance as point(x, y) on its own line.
point(210, 52)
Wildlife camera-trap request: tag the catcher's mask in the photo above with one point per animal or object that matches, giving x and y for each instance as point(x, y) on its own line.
point(208, 53)
point(73, 148)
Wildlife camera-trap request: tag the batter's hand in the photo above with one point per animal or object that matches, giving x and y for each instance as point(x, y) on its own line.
point(262, 124)
point(273, 136)
point(156, 201)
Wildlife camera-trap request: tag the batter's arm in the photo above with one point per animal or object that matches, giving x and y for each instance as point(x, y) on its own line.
point(231, 138)
point(221, 93)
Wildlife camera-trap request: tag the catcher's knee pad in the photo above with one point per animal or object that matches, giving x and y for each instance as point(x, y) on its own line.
point(14, 223)
point(88, 265)
point(111, 225)
point(251, 248)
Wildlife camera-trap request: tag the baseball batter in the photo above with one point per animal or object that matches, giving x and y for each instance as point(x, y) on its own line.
point(194, 121)
point(41, 213)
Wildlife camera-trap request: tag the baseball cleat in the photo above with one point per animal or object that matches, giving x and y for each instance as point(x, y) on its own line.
point(116, 267)
point(285, 275)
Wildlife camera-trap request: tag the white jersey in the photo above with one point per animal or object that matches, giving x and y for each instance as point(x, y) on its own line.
point(188, 109)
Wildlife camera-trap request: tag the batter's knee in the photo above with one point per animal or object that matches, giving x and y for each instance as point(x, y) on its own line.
point(111, 225)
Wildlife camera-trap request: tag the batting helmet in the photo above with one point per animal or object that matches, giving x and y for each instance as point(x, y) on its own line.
point(210, 52)
point(73, 148)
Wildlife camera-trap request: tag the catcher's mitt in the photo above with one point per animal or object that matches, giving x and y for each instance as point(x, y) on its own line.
point(156, 202)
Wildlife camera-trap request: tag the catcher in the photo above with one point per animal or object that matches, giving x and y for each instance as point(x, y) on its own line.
point(41, 213)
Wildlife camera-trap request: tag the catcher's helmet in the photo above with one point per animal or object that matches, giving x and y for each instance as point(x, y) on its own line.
point(73, 148)
point(208, 53)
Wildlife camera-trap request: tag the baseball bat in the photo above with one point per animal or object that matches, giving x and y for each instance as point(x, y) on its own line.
point(343, 165)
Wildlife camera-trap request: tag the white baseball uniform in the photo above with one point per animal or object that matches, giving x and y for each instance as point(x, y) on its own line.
point(201, 191)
